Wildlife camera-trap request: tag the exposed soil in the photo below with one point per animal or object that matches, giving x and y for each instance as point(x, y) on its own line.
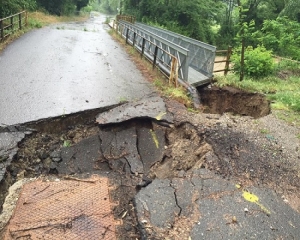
point(230, 99)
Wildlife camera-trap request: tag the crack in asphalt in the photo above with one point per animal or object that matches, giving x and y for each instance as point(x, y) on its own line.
point(176, 200)
point(137, 149)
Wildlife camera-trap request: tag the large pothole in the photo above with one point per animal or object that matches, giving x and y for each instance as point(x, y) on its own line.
point(228, 99)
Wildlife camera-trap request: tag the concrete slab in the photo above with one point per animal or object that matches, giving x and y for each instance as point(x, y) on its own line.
point(8, 149)
point(149, 107)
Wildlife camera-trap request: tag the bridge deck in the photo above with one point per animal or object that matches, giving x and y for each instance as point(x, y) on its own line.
point(196, 78)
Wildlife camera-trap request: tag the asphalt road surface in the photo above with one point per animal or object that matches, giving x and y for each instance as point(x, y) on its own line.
point(65, 68)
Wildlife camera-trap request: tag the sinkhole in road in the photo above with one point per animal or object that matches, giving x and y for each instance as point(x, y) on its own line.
point(228, 99)
point(130, 153)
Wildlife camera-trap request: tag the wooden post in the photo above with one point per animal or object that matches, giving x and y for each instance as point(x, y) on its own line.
point(20, 21)
point(229, 51)
point(12, 23)
point(155, 56)
point(242, 59)
point(143, 47)
point(243, 40)
point(173, 79)
point(26, 18)
point(1, 29)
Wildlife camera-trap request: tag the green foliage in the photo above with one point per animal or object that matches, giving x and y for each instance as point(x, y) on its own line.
point(107, 6)
point(258, 61)
point(62, 7)
point(282, 36)
point(34, 23)
point(291, 99)
point(9, 7)
point(193, 18)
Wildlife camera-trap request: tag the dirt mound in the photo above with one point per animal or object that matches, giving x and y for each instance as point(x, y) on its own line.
point(228, 99)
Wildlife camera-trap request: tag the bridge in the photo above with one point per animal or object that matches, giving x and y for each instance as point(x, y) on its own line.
point(195, 58)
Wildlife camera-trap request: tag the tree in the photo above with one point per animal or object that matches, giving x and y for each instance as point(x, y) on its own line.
point(291, 10)
point(80, 4)
point(62, 7)
point(193, 18)
point(8, 7)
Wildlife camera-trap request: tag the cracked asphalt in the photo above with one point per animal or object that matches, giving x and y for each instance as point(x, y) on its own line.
point(65, 68)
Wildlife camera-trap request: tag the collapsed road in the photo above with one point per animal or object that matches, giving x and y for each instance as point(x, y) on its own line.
point(146, 169)
point(166, 173)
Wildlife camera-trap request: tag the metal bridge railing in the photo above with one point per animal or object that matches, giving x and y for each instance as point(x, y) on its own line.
point(167, 62)
point(165, 49)
point(202, 55)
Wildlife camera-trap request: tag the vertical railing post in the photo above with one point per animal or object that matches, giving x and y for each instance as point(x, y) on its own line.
point(134, 36)
point(127, 34)
point(26, 18)
point(185, 67)
point(1, 29)
point(155, 56)
point(228, 55)
point(143, 47)
point(20, 21)
point(12, 23)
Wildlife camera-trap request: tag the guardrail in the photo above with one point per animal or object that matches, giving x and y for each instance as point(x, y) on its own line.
point(165, 48)
point(12, 23)
point(202, 55)
point(148, 48)
point(227, 61)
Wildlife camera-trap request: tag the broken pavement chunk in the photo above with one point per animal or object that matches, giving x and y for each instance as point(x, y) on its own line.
point(151, 107)
point(122, 145)
point(158, 202)
point(8, 149)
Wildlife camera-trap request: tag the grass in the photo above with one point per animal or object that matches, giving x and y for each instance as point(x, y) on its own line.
point(282, 88)
point(38, 20)
point(159, 80)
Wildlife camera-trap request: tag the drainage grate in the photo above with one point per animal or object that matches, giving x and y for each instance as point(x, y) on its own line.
point(68, 209)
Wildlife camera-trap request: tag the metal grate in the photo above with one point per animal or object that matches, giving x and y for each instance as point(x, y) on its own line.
point(68, 209)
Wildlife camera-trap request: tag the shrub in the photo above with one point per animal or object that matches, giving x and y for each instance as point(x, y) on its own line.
point(258, 61)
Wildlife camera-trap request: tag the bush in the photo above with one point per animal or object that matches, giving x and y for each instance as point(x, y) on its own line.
point(258, 61)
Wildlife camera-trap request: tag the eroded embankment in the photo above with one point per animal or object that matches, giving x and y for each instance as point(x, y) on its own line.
point(228, 99)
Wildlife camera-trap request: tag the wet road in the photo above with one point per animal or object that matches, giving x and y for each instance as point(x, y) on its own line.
point(65, 68)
